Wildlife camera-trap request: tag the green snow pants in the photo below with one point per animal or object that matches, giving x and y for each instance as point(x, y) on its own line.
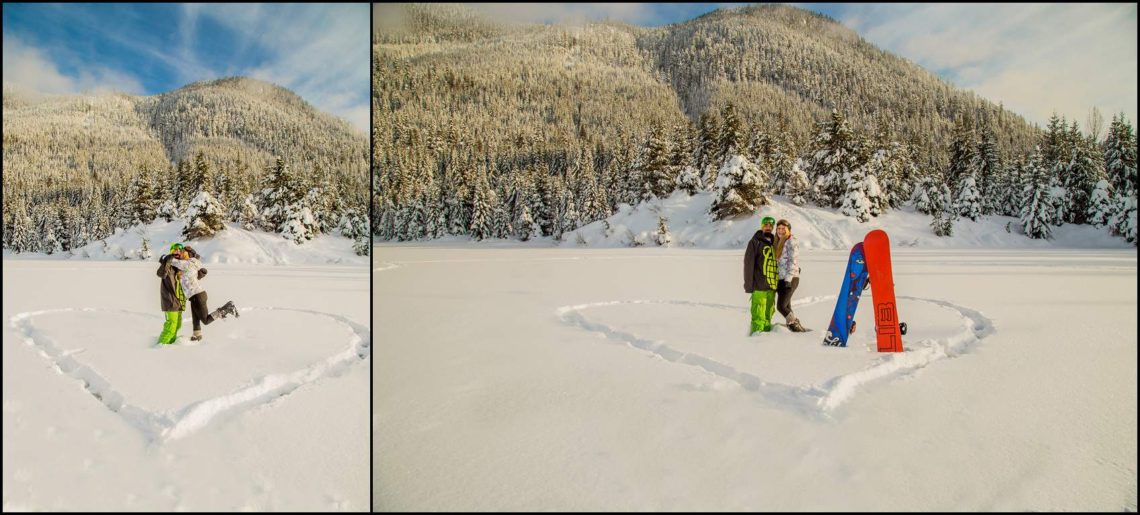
point(763, 305)
point(170, 327)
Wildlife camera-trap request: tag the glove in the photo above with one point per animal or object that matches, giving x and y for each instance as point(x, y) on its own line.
point(201, 273)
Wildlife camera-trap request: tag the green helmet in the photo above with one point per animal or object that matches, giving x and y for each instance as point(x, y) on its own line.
point(767, 220)
point(175, 246)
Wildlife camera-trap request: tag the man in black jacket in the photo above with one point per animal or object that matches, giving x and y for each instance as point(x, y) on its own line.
point(760, 275)
point(171, 299)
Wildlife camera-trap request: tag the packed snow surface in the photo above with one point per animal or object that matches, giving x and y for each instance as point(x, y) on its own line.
point(517, 376)
point(268, 412)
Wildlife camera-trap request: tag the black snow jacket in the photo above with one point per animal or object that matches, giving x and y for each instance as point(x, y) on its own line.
point(760, 263)
point(169, 291)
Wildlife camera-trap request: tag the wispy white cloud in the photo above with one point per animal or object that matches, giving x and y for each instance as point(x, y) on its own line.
point(643, 14)
point(32, 68)
point(319, 51)
point(1034, 58)
point(566, 13)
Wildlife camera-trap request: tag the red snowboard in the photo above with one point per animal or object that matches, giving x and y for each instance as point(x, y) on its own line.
point(888, 331)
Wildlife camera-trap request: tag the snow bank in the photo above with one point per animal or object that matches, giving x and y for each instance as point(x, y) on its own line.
point(232, 246)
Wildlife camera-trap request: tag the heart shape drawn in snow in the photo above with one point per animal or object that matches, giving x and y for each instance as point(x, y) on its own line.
point(170, 391)
point(794, 370)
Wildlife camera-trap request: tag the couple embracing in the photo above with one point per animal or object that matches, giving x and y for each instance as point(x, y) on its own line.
point(772, 274)
point(180, 271)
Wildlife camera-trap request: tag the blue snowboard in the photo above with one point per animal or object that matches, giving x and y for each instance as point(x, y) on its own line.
point(854, 281)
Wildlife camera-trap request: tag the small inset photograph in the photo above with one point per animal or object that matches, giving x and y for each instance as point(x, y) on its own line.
point(186, 257)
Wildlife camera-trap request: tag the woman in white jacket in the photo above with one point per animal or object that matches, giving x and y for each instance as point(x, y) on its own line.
point(191, 266)
point(788, 272)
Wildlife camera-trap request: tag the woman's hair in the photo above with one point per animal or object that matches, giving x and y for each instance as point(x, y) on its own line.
point(780, 243)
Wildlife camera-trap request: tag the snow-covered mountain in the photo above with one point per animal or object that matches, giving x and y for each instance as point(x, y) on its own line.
point(77, 168)
point(492, 129)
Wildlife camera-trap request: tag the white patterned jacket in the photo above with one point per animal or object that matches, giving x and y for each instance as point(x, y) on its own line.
point(788, 262)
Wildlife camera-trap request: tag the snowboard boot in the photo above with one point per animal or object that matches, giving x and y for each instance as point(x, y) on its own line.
point(795, 326)
point(197, 336)
point(224, 311)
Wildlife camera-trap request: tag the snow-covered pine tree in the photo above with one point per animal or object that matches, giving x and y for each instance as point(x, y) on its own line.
point(248, 215)
point(682, 148)
point(855, 202)
point(663, 237)
point(300, 225)
point(782, 161)
point(797, 187)
point(354, 226)
point(731, 140)
point(874, 166)
point(654, 172)
point(759, 152)
point(483, 208)
point(205, 217)
point(279, 192)
point(184, 181)
point(834, 155)
point(989, 168)
point(558, 222)
point(142, 200)
point(921, 196)
point(941, 220)
point(1120, 156)
point(740, 189)
point(1057, 195)
point(961, 151)
point(1123, 222)
point(1084, 171)
point(362, 244)
point(1055, 146)
point(20, 232)
point(689, 180)
point(80, 235)
point(202, 178)
point(1100, 204)
point(1038, 211)
point(1010, 188)
point(144, 251)
point(49, 243)
point(526, 227)
point(63, 227)
point(167, 210)
point(705, 155)
point(571, 216)
point(969, 200)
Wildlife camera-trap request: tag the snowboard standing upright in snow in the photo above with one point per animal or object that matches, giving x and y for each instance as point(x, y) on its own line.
point(888, 330)
point(870, 262)
point(854, 281)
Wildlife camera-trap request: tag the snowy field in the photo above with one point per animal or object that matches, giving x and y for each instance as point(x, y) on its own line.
point(516, 377)
point(268, 412)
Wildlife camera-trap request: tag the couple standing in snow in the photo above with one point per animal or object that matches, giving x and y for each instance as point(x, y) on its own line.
point(180, 271)
point(771, 268)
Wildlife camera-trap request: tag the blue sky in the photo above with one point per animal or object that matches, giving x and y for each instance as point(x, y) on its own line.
point(1034, 58)
point(319, 51)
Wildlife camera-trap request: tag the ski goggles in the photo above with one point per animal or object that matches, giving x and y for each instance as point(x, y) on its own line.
point(175, 246)
point(767, 220)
